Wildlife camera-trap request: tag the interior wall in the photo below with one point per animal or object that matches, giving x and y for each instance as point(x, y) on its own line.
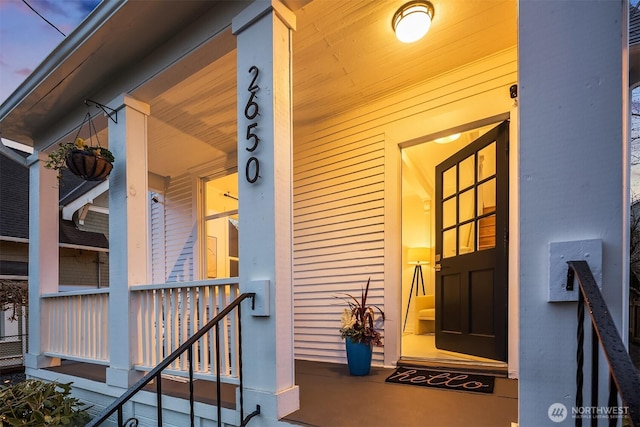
point(416, 232)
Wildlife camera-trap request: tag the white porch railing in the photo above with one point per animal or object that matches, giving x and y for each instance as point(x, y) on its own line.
point(168, 314)
point(76, 325)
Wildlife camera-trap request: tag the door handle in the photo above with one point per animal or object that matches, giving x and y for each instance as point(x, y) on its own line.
point(438, 267)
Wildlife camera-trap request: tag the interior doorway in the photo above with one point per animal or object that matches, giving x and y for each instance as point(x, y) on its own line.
point(423, 235)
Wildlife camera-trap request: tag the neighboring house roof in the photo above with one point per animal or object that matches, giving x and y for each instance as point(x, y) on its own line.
point(14, 197)
point(14, 204)
point(70, 235)
point(634, 45)
point(634, 25)
point(72, 187)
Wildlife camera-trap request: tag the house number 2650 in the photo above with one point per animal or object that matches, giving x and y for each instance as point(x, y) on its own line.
point(251, 111)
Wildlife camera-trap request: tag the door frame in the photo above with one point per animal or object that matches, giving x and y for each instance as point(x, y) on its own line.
point(393, 270)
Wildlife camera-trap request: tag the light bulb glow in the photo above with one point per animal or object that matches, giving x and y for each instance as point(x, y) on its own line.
point(447, 139)
point(412, 21)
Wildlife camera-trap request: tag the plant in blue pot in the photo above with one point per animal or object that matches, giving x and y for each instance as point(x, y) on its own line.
point(359, 331)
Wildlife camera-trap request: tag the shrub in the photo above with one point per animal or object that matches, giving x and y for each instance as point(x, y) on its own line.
point(39, 403)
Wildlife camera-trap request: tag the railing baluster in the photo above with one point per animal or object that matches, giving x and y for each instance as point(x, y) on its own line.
point(160, 337)
point(204, 360)
point(195, 324)
point(594, 370)
point(190, 357)
point(144, 327)
point(240, 364)
point(184, 321)
point(218, 390)
point(159, 396)
point(623, 377)
point(613, 399)
point(214, 312)
point(156, 373)
point(233, 339)
point(76, 324)
point(580, 357)
point(175, 325)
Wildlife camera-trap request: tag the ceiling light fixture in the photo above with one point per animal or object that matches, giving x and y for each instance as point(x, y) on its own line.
point(412, 21)
point(447, 139)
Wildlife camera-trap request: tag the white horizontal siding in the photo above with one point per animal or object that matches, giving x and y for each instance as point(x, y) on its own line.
point(340, 215)
point(157, 233)
point(338, 221)
point(180, 230)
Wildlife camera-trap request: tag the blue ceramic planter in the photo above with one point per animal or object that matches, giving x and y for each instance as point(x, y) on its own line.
point(358, 357)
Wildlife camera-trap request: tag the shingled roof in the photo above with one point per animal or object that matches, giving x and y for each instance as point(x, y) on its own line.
point(634, 24)
point(69, 234)
point(14, 204)
point(14, 197)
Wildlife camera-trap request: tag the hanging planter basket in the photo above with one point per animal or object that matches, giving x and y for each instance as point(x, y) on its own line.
point(88, 165)
point(89, 162)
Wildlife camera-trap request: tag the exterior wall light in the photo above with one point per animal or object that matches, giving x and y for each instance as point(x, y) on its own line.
point(412, 21)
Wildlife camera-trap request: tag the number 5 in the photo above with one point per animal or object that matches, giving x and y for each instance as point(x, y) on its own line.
point(251, 135)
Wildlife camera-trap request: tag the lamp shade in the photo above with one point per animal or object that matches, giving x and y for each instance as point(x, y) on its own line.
point(419, 255)
point(412, 21)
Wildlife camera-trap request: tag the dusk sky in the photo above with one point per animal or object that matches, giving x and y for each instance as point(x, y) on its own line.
point(26, 39)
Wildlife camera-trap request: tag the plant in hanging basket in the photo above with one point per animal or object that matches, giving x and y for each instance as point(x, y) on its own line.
point(88, 162)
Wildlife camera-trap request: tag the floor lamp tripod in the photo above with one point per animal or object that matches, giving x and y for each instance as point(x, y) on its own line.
point(417, 257)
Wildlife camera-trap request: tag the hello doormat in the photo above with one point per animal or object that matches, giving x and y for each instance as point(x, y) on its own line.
point(442, 379)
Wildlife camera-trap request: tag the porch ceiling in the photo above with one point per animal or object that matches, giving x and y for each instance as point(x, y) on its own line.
point(345, 55)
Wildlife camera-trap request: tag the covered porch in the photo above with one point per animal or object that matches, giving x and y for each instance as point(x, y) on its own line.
point(339, 101)
point(329, 396)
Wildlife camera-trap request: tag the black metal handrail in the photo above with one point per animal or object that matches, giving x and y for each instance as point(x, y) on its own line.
point(188, 347)
point(623, 377)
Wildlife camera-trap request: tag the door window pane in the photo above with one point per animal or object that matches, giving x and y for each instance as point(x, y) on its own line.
point(467, 172)
point(466, 206)
point(487, 161)
point(487, 232)
point(449, 182)
point(449, 213)
point(487, 197)
point(449, 243)
point(467, 239)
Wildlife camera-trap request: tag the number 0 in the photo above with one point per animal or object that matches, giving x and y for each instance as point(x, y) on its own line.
point(256, 173)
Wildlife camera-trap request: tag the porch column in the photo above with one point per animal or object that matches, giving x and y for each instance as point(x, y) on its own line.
point(263, 33)
point(573, 184)
point(43, 253)
point(128, 240)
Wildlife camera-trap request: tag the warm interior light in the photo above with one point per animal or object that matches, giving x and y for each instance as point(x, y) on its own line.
point(419, 255)
point(447, 139)
point(412, 21)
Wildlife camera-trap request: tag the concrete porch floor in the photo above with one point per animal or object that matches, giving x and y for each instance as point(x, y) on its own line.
point(330, 397)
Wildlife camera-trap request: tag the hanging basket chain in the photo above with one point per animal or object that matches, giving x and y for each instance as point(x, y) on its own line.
point(95, 132)
point(92, 130)
point(86, 117)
